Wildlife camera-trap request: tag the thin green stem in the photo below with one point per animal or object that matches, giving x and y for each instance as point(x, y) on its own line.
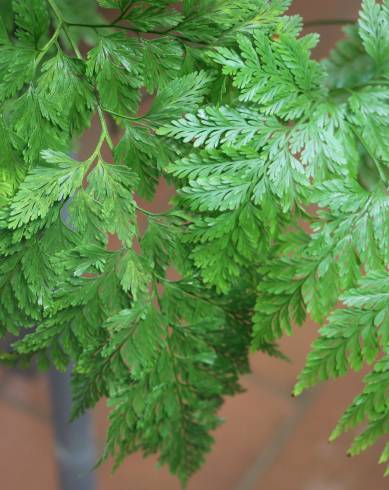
point(385, 83)
point(138, 31)
point(55, 8)
point(48, 45)
point(149, 213)
point(328, 22)
point(121, 116)
point(137, 120)
point(64, 26)
point(97, 150)
point(72, 42)
point(105, 135)
point(105, 129)
point(96, 26)
point(381, 171)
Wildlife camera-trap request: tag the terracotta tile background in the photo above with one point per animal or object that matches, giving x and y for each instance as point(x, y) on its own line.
point(269, 441)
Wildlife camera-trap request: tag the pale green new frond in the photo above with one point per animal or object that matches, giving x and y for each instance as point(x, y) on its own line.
point(213, 126)
point(227, 161)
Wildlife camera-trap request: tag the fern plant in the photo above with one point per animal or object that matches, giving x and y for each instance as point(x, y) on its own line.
point(260, 141)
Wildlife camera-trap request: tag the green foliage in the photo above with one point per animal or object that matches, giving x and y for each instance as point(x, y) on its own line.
point(133, 335)
point(115, 64)
point(281, 167)
point(294, 134)
point(373, 30)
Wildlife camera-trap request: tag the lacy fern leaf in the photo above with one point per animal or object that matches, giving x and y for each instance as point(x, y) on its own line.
point(281, 212)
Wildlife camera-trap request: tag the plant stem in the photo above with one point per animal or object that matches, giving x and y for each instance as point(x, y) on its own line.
point(150, 213)
point(121, 116)
point(97, 150)
point(105, 128)
point(64, 26)
point(55, 8)
point(136, 120)
point(328, 22)
point(71, 41)
point(105, 135)
point(380, 170)
point(48, 45)
point(138, 31)
point(96, 26)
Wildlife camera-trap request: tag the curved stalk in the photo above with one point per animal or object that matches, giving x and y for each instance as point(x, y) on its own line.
point(328, 22)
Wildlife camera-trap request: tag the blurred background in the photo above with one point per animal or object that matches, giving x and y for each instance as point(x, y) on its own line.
point(269, 441)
